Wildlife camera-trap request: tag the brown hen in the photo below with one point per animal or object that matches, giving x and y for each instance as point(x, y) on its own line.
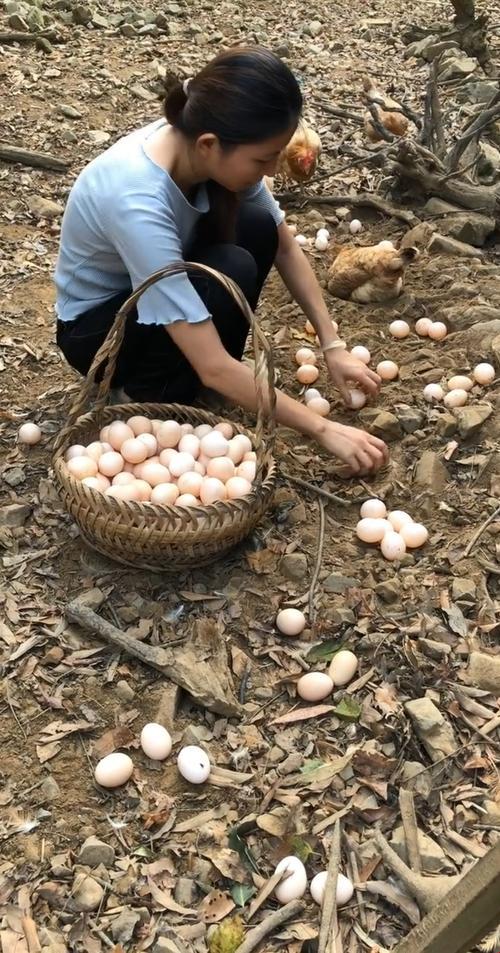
point(299, 159)
point(369, 274)
point(394, 122)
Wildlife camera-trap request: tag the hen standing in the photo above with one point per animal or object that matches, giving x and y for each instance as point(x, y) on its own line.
point(394, 122)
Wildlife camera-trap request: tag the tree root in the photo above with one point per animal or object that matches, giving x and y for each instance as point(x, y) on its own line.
point(427, 891)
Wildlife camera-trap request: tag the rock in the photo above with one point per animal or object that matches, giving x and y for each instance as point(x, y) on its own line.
point(433, 50)
point(140, 92)
point(82, 14)
point(389, 590)
point(123, 926)
point(484, 672)
point(69, 111)
point(294, 566)
point(87, 893)
point(419, 47)
point(196, 735)
point(430, 472)
point(478, 92)
point(469, 227)
point(18, 23)
point(14, 515)
point(185, 892)
point(482, 340)
point(124, 691)
point(14, 476)
point(44, 208)
point(488, 165)
point(446, 425)
point(454, 65)
point(100, 22)
point(419, 235)
point(433, 729)
point(94, 852)
point(463, 588)
point(42, 43)
point(444, 245)
point(99, 136)
point(128, 30)
point(162, 22)
point(471, 418)
point(338, 583)
point(432, 855)
point(283, 50)
point(416, 778)
point(457, 320)
point(313, 28)
point(343, 213)
point(386, 426)
point(410, 418)
point(492, 815)
point(49, 789)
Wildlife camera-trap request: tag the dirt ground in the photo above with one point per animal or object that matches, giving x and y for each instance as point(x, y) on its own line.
point(67, 699)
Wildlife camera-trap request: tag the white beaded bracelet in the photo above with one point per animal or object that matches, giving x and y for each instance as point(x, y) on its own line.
point(333, 345)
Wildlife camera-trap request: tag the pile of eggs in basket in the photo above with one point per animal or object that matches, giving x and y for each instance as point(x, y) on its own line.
point(164, 462)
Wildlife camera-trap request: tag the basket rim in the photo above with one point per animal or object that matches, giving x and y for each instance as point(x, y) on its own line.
point(144, 508)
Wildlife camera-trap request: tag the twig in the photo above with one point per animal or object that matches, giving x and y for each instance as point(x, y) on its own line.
point(319, 557)
point(359, 894)
point(404, 110)
point(367, 199)
point(274, 920)
point(407, 808)
point(316, 489)
point(491, 725)
point(378, 124)
point(473, 130)
point(37, 160)
point(31, 935)
point(328, 924)
point(371, 944)
point(437, 132)
point(340, 113)
point(17, 37)
point(100, 933)
point(12, 711)
point(479, 532)
point(266, 890)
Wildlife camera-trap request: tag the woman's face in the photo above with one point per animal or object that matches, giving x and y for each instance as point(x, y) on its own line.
point(242, 166)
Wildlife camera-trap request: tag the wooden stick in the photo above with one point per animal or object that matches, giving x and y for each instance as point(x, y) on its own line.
point(469, 912)
point(199, 679)
point(38, 160)
point(407, 808)
point(479, 532)
point(271, 922)
point(358, 201)
point(18, 37)
point(316, 489)
point(31, 935)
point(319, 557)
point(329, 909)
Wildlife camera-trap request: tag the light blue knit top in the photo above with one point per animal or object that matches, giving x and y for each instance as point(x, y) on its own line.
point(126, 218)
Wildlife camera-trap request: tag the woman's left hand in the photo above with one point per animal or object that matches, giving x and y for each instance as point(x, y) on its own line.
point(344, 369)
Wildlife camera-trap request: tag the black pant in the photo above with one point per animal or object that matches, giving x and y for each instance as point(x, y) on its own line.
point(150, 367)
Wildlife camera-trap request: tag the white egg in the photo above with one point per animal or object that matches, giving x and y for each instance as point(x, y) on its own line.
point(212, 490)
point(460, 382)
point(399, 329)
point(237, 488)
point(456, 398)
point(291, 621)
point(386, 245)
point(201, 430)
point(307, 374)
point(362, 353)
point(190, 482)
point(190, 443)
point(355, 226)
point(343, 667)
point(393, 546)
point(323, 233)
point(371, 530)
point(357, 398)
point(226, 429)
point(140, 425)
point(321, 243)
point(437, 331)
point(314, 686)
point(398, 518)
point(345, 888)
point(194, 764)
point(113, 770)
point(110, 463)
point(222, 468)
point(95, 449)
point(433, 393)
point(374, 509)
point(304, 355)
point(134, 450)
point(484, 374)
point(294, 885)
point(182, 463)
point(318, 405)
point(156, 741)
point(310, 394)
point(119, 432)
point(81, 467)
point(301, 240)
point(29, 434)
point(414, 535)
point(77, 450)
point(168, 434)
point(422, 327)
point(150, 441)
point(214, 444)
point(387, 370)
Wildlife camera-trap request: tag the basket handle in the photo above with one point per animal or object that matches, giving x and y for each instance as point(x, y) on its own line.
point(108, 354)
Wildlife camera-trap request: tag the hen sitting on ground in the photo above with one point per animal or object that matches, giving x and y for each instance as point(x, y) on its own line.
point(394, 122)
point(369, 274)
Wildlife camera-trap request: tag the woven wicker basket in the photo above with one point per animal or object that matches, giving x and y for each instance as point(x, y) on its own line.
point(147, 535)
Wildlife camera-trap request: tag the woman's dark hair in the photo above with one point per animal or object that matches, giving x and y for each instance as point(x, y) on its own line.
point(243, 95)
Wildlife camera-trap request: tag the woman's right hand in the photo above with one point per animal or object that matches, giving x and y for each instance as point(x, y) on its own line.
point(362, 452)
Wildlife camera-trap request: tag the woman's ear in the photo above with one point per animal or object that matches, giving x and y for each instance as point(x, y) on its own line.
point(207, 145)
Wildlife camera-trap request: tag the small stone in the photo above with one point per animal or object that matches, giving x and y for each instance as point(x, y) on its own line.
point(471, 418)
point(446, 425)
point(444, 245)
point(42, 43)
point(455, 65)
point(484, 672)
point(99, 136)
point(100, 22)
point(263, 693)
point(53, 655)
point(18, 23)
point(128, 30)
point(14, 515)
point(67, 135)
point(69, 111)
point(94, 852)
point(478, 92)
point(343, 213)
point(49, 789)
point(293, 566)
point(140, 92)
point(185, 892)
point(433, 50)
point(14, 476)
point(313, 28)
point(35, 20)
point(44, 208)
point(419, 47)
point(283, 50)
point(124, 691)
point(430, 472)
point(410, 418)
point(82, 14)
point(389, 590)
point(149, 29)
point(87, 893)
point(432, 855)
point(338, 583)
point(162, 22)
point(463, 589)
point(433, 729)
point(420, 235)
point(468, 227)
point(123, 926)
point(276, 754)
point(386, 426)
point(415, 777)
